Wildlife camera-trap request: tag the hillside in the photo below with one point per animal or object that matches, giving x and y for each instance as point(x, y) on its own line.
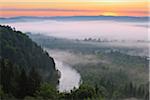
point(21, 50)
point(21, 57)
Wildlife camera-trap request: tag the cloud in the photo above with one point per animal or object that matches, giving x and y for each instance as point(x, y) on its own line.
point(68, 10)
point(45, 9)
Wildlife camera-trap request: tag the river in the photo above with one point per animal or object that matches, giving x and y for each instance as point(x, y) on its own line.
point(69, 78)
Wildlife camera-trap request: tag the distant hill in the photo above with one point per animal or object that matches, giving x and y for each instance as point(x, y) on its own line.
point(74, 18)
point(20, 50)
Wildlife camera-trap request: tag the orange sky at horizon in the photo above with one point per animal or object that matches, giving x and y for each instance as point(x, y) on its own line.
point(11, 8)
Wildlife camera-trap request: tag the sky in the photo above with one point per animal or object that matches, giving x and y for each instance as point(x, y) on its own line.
point(12, 8)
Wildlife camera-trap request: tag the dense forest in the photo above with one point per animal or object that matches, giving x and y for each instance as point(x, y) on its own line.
point(19, 49)
point(28, 72)
point(24, 64)
point(118, 79)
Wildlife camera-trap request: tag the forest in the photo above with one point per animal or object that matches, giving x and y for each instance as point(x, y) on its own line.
point(28, 72)
point(115, 71)
point(24, 65)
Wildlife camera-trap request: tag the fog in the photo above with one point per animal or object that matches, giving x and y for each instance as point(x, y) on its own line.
point(65, 62)
point(85, 29)
point(72, 59)
point(69, 78)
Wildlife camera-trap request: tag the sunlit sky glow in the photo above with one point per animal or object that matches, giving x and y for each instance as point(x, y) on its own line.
point(9, 8)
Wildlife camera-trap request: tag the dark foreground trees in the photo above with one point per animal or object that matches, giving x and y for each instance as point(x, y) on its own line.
point(22, 64)
point(16, 82)
point(20, 50)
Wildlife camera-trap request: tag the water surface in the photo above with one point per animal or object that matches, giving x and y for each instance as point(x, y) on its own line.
point(69, 79)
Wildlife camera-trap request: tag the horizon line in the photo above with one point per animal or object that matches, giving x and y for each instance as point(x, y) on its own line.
point(76, 16)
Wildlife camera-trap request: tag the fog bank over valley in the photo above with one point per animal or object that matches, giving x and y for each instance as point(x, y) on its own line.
point(80, 29)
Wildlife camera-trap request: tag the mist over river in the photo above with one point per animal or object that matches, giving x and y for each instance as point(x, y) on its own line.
point(69, 78)
point(81, 29)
